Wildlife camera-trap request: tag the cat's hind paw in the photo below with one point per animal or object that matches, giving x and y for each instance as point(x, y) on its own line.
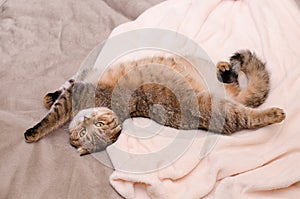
point(225, 73)
point(223, 66)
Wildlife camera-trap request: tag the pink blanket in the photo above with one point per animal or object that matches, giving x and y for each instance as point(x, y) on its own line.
point(261, 163)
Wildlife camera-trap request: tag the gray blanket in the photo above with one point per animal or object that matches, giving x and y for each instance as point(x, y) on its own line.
point(42, 44)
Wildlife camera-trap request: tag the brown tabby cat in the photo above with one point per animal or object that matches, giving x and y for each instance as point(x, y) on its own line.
point(148, 88)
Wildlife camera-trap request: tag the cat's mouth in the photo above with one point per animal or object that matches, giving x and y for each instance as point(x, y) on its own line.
point(90, 148)
point(80, 149)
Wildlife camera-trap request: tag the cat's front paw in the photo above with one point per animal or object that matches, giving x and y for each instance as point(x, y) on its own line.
point(31, 135)
point(225, 73)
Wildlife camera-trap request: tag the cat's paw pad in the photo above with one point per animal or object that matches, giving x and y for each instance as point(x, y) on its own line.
point(223, 66)
point(50, 98)
point(225, 73)
point(31, 135)
point(275, 115)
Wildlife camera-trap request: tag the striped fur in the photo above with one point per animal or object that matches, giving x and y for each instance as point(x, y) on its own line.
point(167, 90)
point(96, 137)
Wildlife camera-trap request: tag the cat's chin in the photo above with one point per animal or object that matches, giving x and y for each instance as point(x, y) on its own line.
point(83, 151)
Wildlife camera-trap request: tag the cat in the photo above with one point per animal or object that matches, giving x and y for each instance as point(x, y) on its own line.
point(146, 88)
point(94, 129)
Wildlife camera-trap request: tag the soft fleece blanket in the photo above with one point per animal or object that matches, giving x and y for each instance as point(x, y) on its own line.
point(42, 45)
point(261, 163)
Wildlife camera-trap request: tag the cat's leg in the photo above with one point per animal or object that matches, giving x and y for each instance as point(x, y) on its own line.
point(258, 86)
point(60, 112)
point(226, 117)
point(51, 97)
point(72, 99)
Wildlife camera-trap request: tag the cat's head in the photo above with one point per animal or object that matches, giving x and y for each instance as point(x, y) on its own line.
point(93, 129)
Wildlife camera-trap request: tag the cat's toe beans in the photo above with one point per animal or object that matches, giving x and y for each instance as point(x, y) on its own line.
point(223, 66)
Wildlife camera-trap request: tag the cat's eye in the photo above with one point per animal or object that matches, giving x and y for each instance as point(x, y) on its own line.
point(99, 124)
point(82, 132)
